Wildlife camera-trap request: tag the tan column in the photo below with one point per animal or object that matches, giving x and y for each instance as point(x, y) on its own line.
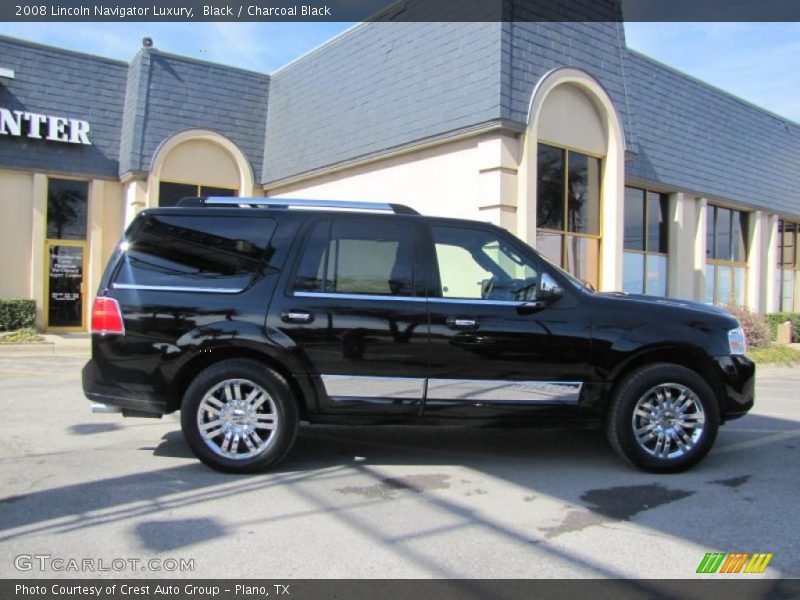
point(38, 237)
point(699, 263)
point(613, 218)
point(497, 177)
point(771, 263)
point(135, 192)
point(95, 239)
point(681, 246)
point(526, 176)
point(756, 261)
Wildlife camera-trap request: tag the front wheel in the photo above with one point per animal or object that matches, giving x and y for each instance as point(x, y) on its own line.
point(663, 418)
point(239, 416)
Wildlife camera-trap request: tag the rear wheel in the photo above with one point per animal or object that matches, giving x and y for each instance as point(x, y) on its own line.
point(663, 418)
point(239, 416)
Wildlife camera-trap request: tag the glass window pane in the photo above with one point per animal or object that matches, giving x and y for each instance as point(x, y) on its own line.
point(634, 219)
point(738, 285)
point(550, 188)
point(65, 279)
point(738, 235)
point(787, 289)
point(371, 258)
point(796, 307)
point(475, 263)
point(657, 207)
point(66, 209)
point(633, 272)
point(724, 286)
point(207, 190)
point(461, 275)
point(549, 246)
point(656, 276)
point(583, 194)
point(583, 259)
point(310, 275)
point(786, 244)
point(204, 252)
point(711, 219)
point(723, 234)
point(170, 193)
point(711, 283)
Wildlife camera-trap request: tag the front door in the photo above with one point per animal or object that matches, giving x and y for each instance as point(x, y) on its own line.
point(355, 311)
point(65, 288)
point(493, 350)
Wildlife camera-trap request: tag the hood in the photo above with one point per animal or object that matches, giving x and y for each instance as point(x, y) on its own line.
point(676, 302)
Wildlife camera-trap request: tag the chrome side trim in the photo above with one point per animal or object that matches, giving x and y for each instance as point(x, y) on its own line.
point(482, 390)
point(170, 288)
point(357, 296)
point(406, 298)
point(348, 387)
point(477, 301)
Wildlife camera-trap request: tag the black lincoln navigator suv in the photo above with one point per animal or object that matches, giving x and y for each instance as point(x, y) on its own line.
point(251, 314)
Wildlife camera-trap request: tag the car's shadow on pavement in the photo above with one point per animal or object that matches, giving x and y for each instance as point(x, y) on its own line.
point(337, 470)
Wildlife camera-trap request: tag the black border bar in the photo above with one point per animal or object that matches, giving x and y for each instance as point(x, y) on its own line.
point(399, 10)
point(740, 587)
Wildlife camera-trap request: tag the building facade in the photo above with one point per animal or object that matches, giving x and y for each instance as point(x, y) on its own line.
point(627, 173)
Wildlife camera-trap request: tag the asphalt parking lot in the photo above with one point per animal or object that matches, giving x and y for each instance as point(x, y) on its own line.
point(384, 502)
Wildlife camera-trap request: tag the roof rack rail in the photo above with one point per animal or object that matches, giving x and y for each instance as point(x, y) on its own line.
point(398, 209)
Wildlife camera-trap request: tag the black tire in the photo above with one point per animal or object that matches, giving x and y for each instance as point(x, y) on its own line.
point(278, 409)
point(652, 384)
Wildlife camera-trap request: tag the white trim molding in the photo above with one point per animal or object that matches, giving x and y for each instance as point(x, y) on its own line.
point(613, 178)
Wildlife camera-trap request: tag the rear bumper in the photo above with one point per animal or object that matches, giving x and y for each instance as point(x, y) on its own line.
point(738, 375)
point(96, 389)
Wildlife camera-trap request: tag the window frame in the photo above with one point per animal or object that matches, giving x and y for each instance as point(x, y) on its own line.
point(663, 197)
point(564, 233)
point(134, 233)
point(198, 189)
point(781, 268)
point(435, 288)
point(711, 217)
point(417, 272)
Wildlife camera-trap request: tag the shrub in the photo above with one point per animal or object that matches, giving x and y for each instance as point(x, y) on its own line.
point(755, 327)
point(16, 313)
point(775, 319)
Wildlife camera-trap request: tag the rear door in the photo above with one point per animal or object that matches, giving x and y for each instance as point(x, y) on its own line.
point(353, 310)
point(493, 351)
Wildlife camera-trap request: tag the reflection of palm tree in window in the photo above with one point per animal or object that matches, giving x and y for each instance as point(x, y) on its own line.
point(61, 211)
point(550, 204)
point(577, 194)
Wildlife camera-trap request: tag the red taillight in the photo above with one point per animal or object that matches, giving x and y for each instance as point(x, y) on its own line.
point(107, 317)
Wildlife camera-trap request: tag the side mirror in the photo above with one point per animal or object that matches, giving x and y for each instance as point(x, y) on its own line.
point(549, 290)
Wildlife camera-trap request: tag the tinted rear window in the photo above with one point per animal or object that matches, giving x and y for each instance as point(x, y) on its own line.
point(197, 251)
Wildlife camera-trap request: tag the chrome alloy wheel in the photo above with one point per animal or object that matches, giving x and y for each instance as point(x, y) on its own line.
point(668, 421)
point(237, 419)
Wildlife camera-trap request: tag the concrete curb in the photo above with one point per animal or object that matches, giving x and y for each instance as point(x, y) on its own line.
point(72, 345)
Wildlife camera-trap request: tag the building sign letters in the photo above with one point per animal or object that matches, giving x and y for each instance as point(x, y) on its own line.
point(18, 123)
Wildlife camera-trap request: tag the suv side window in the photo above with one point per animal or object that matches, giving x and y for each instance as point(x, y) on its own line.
point(196, 252)
point(479, 264)
point(352, 257)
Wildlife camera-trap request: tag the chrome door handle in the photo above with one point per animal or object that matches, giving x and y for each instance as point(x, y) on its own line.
point(461, 323)
point(296, 316)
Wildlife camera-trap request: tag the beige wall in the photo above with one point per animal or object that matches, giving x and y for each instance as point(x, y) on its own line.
point(443, 180)
point(16, 226)
point(568, 118)
point(113, 217)
point(201, 162)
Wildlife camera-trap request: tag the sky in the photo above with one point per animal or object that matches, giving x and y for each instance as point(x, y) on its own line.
point(755, 61)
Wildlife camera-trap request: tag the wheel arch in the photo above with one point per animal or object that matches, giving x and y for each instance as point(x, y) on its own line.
point(302, 391)
point(689, 357)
